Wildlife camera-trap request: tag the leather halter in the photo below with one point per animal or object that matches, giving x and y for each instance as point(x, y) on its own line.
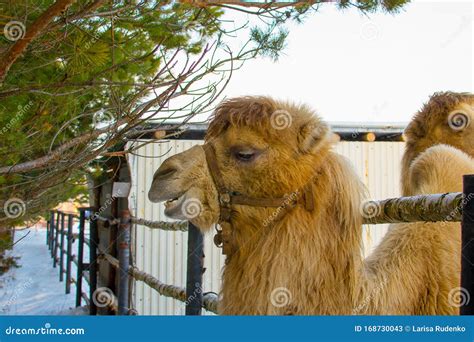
point(227, 198)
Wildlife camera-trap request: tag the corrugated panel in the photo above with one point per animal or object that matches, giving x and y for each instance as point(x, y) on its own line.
point(163, 254)
point(378, 165)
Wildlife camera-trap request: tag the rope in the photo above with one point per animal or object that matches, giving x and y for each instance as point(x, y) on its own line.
point(170, 226)
point(421, 208)
point(209, 300)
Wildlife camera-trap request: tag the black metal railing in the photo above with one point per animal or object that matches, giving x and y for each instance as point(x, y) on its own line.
point(60, 239)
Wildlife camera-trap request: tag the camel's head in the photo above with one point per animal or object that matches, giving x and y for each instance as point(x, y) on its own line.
point(264, 148)
point(447, 118)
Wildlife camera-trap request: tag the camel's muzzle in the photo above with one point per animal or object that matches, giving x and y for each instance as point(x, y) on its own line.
point(162, 188)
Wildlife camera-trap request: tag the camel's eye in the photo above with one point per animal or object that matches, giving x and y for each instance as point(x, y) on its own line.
point(458, 121)
point(244, 154)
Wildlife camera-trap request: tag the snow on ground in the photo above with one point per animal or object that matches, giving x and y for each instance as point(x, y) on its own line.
point(34, 287)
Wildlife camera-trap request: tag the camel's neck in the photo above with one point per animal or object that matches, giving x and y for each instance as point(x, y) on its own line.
point(306, 263)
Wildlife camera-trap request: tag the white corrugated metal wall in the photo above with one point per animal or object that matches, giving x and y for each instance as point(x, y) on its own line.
point(163, 254)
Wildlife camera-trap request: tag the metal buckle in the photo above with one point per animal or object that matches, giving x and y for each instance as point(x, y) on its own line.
point(224, 198)
point(218, 240)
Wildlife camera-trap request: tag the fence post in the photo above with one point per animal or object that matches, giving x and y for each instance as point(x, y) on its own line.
point(94, 242)
point(56, 241)
point(51, 232)
point(70, 219)
point(61, 249)
point(194, 271)
point(467, 252)
point(124, 261)
point(80, 256)
point(47, 233)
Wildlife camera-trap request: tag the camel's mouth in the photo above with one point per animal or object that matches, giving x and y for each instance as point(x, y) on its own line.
point(173, 206)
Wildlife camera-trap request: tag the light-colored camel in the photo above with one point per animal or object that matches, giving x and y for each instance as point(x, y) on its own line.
point(419, 263)
point(447, 118)
point(309, 262)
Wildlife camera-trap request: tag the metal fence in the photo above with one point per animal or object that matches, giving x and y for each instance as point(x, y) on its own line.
point(60, 239)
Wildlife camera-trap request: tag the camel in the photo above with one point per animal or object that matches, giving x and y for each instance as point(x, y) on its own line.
point(308, 260)
point(447, 118)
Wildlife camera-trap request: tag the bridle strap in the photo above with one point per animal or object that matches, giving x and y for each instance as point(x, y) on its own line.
point(214, 168)
point(257, 202)
point(308, 197)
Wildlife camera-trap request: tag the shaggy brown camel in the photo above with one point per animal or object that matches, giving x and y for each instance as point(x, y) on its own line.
point(304, 257)
point(447, 118)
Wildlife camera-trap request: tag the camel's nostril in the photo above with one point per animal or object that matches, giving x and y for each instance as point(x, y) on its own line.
point(162, 174)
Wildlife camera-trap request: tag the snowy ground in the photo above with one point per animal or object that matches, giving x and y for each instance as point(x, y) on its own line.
point(34, 287)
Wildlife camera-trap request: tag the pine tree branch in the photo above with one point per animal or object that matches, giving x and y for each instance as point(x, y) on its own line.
point(261, 4)
point(81, 14)
point(40, 24)
point(56, 154)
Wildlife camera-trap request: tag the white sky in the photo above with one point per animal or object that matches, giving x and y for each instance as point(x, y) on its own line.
point(381, 68)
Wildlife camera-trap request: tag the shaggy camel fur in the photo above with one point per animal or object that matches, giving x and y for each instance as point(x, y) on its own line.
point(447, 118)
point(419, 263)
point(308, 262)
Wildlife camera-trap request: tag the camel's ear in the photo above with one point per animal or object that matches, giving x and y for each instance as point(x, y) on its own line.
point(314, 135)
point(414, 130)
